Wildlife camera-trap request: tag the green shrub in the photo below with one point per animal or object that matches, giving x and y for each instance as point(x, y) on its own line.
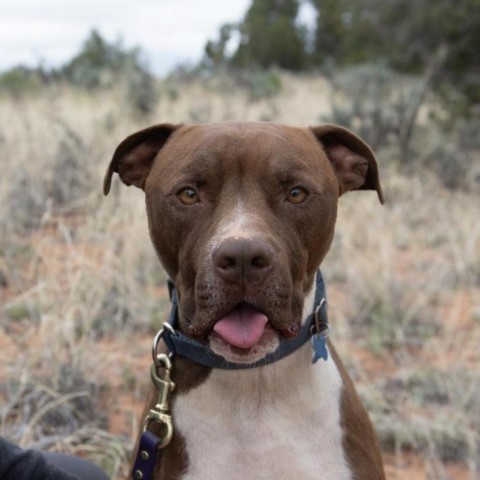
point(373, 101)
point(20, 81)
point(259, 84)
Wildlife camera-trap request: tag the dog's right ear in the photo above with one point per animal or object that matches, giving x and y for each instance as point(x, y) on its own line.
point(134, 157)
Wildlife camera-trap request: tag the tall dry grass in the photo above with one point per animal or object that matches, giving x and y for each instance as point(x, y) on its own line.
point(81, 291)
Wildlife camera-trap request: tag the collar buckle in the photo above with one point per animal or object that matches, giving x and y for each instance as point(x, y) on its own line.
point(320, 331)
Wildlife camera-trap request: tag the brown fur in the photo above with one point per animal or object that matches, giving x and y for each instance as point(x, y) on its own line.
point(360, 441)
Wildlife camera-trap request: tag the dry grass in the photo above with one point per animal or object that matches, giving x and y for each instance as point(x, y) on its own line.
point(81, 291)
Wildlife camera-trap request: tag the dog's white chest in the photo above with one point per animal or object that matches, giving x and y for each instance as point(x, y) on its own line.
point(276, 422)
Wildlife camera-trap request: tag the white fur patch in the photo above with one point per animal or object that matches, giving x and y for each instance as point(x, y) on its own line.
point(281, 422)
point(240, 224)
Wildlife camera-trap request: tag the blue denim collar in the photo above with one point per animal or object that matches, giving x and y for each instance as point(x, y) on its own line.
point(315, 327)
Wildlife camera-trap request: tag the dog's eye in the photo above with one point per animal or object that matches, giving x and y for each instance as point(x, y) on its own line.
point(188, 196)
point(297, 195)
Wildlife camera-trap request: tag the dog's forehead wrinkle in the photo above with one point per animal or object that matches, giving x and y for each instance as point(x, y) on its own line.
point(219, 141)
point(202, 165)
point(243, 129)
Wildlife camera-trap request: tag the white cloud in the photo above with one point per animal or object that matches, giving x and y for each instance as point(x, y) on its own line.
point(169, 31)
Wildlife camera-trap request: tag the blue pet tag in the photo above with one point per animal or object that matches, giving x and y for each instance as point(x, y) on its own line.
point(319, 345)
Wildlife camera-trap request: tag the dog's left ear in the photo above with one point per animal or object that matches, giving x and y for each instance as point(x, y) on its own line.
point(354, 163)
point(134, 157)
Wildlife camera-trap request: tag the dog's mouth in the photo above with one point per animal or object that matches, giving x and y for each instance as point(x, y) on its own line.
point(243, 335)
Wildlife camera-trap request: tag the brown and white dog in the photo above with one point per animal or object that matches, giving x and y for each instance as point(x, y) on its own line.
point(241, 216)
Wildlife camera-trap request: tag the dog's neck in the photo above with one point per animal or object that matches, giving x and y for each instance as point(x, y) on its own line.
point(270, 384)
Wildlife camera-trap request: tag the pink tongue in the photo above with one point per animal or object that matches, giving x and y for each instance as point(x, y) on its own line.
point(242, 327)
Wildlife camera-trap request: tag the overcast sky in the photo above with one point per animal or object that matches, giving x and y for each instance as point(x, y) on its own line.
point(170, 31)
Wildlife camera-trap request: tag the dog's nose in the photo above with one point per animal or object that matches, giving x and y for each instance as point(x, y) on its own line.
point(241, 259)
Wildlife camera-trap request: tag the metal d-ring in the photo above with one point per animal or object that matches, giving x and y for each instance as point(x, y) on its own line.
point(156, 340)
point(320, 328)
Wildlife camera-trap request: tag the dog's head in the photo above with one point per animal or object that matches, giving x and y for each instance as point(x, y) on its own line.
point(241, 216)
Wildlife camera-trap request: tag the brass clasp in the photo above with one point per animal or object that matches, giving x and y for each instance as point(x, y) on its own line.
point(160, 412)
point(164, 385)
